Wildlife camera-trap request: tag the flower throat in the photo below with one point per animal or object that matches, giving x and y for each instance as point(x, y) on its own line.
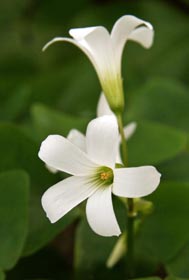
point(104, 176)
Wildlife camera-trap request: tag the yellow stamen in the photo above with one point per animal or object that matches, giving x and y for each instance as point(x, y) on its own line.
point(105, 175)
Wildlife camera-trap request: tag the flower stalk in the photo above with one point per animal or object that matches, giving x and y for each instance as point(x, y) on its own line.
point(123, 140)
point(130, 236)
point(130, 204)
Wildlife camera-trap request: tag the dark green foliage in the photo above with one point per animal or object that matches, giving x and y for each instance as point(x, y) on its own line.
point(55, 91)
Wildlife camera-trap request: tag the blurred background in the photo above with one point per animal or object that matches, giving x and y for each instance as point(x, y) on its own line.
point(43, 93)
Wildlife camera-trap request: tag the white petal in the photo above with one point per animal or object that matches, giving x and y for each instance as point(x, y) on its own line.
point(61, 39)
point(65, 195)
point(130, 129)
point(81, 33)
point(143, 36)
point(136, 181)
point(74, 42)
point(102, 140)
point(51, 169)
point(118, 157)
point(77, 138)
point(61, 154)
point(122, 31)
point(103, 107)
point(100, 213)
point(96, 40)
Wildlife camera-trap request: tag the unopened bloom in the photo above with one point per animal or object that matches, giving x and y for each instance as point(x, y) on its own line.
point(105, 51)
point(94, 176)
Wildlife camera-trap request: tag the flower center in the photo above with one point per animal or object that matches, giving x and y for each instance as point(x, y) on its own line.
point(103, 176)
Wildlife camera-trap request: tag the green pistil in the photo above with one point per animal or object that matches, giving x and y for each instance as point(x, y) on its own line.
point(103, 177)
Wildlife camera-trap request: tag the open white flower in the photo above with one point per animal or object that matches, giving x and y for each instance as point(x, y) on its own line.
point(105, 51)
point(94, 176)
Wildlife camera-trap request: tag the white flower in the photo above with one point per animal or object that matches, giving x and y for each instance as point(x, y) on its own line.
point(78, 138)
point(94, 176)
point(105, 51)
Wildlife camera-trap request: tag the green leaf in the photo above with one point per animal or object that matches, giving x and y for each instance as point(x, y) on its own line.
point(92, 250)
point(10, 12)
point(14, 198)
point(47, 121)
point(19, 151)
point(42, 231)
point(2, 275)
point(15, 105)
point(165, 232)
point(178, 264)
point(163, 101)
point(81, 96)
point(176, 169)
point(58, 89)
point(153, 143)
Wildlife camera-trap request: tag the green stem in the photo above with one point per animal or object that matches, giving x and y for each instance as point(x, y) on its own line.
point(130, 237)
point(123, 140)
point(130, 203)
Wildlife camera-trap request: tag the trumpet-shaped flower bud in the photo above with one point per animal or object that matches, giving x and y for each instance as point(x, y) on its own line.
point(105, 52)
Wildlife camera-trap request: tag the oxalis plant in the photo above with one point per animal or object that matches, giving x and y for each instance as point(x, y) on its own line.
point(98, 162)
